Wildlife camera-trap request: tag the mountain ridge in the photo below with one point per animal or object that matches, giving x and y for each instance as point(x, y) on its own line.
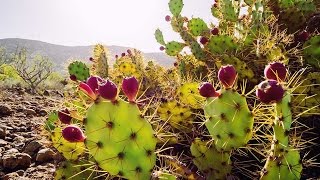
point(61, 54)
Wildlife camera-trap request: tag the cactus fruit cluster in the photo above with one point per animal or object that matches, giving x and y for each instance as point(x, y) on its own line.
point(207, 116)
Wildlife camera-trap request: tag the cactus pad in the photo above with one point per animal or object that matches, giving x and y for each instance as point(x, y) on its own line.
point(214, 164)
point(229, 120)
point(189, 95)
point(197, 51)
point(245, 72)
point(173, 48)
point(175, 7)
point(177, 115)
point(120, 140)
point(312, 51)
point(220, 44)
point(69, 170)
point(79, 69)
point(69, 150)
point(197, 26)
point(159, 37)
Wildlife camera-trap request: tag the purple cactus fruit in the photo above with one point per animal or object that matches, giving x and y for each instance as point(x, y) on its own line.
point(91, 59)
point(129, 52)
point(168, 18)
point(207, 90)
point(204, 40)
point(214, 31)
point(73, 77)
point(116, 56)
point(73, 133)
point(269, 91)
point(303, 36)
point(227, 76)
point(108, 90)
point(123, 54)
point(64, 116)
point(87, 90)
point(161, 48)
point(93, 82)
point(130, 87)
point(275, 71)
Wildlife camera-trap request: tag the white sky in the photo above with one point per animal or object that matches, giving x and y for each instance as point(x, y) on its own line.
point(85, 22)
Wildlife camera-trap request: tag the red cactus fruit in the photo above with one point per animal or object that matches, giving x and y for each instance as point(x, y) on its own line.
point(175, 64)
point(123, 54)
point(93, 82)
point(130, 87)
point(275, 71)
point(227, 75)
point(269, 91)
point(87, 90)
point(207, 90)
point(204, 40)
point(64, 116)
point(214, 31)
point(168, 18)
point(303, 36)
point(108, 90)
point(116, 56)
point(91, 59)
point(73, 133)
point(129, 51)
point(73, 77)
point(161, 48)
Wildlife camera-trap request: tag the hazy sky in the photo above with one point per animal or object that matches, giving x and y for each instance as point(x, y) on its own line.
point(84, 22)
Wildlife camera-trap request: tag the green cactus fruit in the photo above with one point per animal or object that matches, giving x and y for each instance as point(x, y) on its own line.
point(197, 27)
point(120, 140)
point(197, 51)
point(72, 170)
point(159, 37)
point(283, 167)
point(177, 23)
point(175, 7)
point(311, 51)
point(178, 116)
point(71, 151)
point(214, 164)
point(221, 44)
point(173, 48)
point(229, 120)
point(79, 69)
point(188, 94)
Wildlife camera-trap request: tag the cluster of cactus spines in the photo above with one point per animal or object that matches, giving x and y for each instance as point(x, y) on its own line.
point(228, 118)
point(283, 161)
point(311, 51)
point(73, 170)
point(78, 71)
point(100, 59)
point(212, 163)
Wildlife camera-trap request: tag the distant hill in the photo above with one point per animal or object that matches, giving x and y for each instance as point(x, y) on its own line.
point(60, 54)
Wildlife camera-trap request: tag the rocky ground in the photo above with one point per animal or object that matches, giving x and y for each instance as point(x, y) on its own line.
point(25, 153)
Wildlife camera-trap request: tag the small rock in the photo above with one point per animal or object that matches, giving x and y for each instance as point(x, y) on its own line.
point(32, 147)
point(5, 110)
point(11, 176)
point(3, 132)
point(45, 155)
point(46, 93)
point(16, 160)
point(20, 172)
point(42, 112)
point(29, 112)
point(19, 139)
point(3, 143)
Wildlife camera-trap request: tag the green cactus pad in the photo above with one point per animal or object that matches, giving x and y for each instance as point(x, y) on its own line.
point(230, 10)
point(311, 51)
point(229, 120)
point(175, 7)
point(220, 44)
point(214, 164)
point(187, 37)
point(71, 151)
point(284, 167)
point(245, 72)
point(161, 175)
point(173, 48)
point(79, 69)
point(159, 37)
point(197, 51)
point(120, 140)
point(72, 170)
point(197, 26)
point(188, 94)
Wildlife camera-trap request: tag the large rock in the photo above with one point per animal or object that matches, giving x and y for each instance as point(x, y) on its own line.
point(32, 147)
point(12, 159)
point(5, 110)
point(45, 155)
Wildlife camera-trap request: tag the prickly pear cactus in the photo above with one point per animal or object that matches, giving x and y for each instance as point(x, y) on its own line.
point(73, 170)
point(229, 120)
point(312, 51)
point(100, 61)
point(189, 95)
point(120, 140)
point(79, 70)
point(214, 164)
point(175, 7)
point(70, 150)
